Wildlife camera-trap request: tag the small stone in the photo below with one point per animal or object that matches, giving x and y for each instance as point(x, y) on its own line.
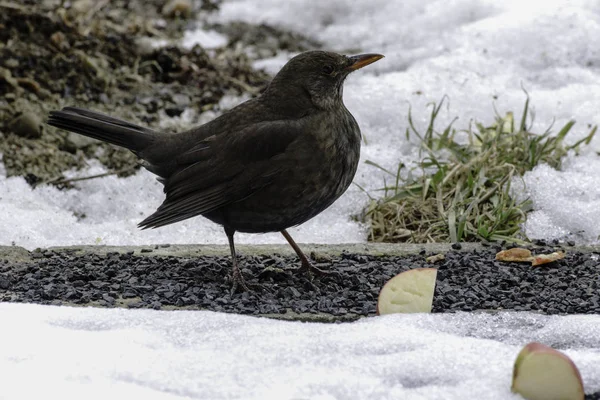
point(4, 283)
point(11, 63)
point(43, 93)
point(181, 100)
point(27, 125)
point(156, 305)
point(82, 6)
point(98, 284)
point(435, 258)
point(177, 9)
point(174, 111)
point(109, 299)
point(73, 142)
point(59, 40)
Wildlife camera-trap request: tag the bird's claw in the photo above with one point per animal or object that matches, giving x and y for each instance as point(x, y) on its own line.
point(310, 269)
point(238, 282)
point(240, 285)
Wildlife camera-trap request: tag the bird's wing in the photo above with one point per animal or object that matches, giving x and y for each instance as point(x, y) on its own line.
point(222, 169)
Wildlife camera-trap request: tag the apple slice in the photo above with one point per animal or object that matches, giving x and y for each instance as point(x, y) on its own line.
point(547, 258)
point(542, 373)
point(515, 254)
point(408, 292)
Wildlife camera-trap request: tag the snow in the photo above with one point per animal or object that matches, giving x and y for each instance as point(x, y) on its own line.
point(113, 207)
point(204, 355)
point(479, 53)
point(207, 39)
point(567, 203)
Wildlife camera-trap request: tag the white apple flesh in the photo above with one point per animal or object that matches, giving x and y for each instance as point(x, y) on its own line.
point(408, 292)
point(543, 373)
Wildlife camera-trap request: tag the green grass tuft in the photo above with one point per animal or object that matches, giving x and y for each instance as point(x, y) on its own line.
point(461, 192)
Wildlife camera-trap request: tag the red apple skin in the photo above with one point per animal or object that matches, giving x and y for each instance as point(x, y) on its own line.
point(535, 347)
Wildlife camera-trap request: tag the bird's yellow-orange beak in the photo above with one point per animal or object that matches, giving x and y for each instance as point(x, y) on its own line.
point(362, 60)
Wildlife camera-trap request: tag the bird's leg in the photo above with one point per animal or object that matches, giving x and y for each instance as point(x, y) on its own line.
point(236, 274)
point(305, 265)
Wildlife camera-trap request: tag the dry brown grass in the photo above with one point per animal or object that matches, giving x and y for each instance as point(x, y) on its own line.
point(466, 196)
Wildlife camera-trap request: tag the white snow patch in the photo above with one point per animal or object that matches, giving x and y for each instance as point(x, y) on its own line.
point(567, 202)
point(117, 354)
point(106, 211)
point(208, 39)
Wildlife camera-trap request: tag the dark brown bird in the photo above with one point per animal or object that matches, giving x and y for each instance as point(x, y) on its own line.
point(268, 164)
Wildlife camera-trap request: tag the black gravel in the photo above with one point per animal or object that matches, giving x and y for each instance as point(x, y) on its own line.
point(467, 281)
point(592, 396)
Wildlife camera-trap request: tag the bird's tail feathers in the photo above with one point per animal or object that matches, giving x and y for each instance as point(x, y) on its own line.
point(102, 127)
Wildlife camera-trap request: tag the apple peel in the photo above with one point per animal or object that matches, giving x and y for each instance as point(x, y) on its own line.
point(519, 254)
point(543, 373)
point(516, 254)
point(547, 258)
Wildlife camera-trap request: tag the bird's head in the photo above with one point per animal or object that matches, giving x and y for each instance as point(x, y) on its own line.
point(317, 77)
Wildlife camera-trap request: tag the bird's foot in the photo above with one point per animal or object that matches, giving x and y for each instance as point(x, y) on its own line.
point(308, 267)
point(239, 283)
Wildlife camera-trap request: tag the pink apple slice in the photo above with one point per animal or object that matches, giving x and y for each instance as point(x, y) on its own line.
point(543, 373)
point(408, 292)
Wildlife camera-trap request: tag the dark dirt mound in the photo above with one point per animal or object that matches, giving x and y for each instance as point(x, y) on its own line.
point(98, 54)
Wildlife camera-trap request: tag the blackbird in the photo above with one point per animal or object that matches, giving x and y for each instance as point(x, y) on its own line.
point(271, 163)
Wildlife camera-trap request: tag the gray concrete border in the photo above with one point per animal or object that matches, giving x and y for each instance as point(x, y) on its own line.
point(20, 254)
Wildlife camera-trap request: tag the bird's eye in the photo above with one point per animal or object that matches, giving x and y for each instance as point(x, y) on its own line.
point(328, 69)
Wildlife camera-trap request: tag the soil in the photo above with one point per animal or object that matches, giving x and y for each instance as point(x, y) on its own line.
point(99, 55)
